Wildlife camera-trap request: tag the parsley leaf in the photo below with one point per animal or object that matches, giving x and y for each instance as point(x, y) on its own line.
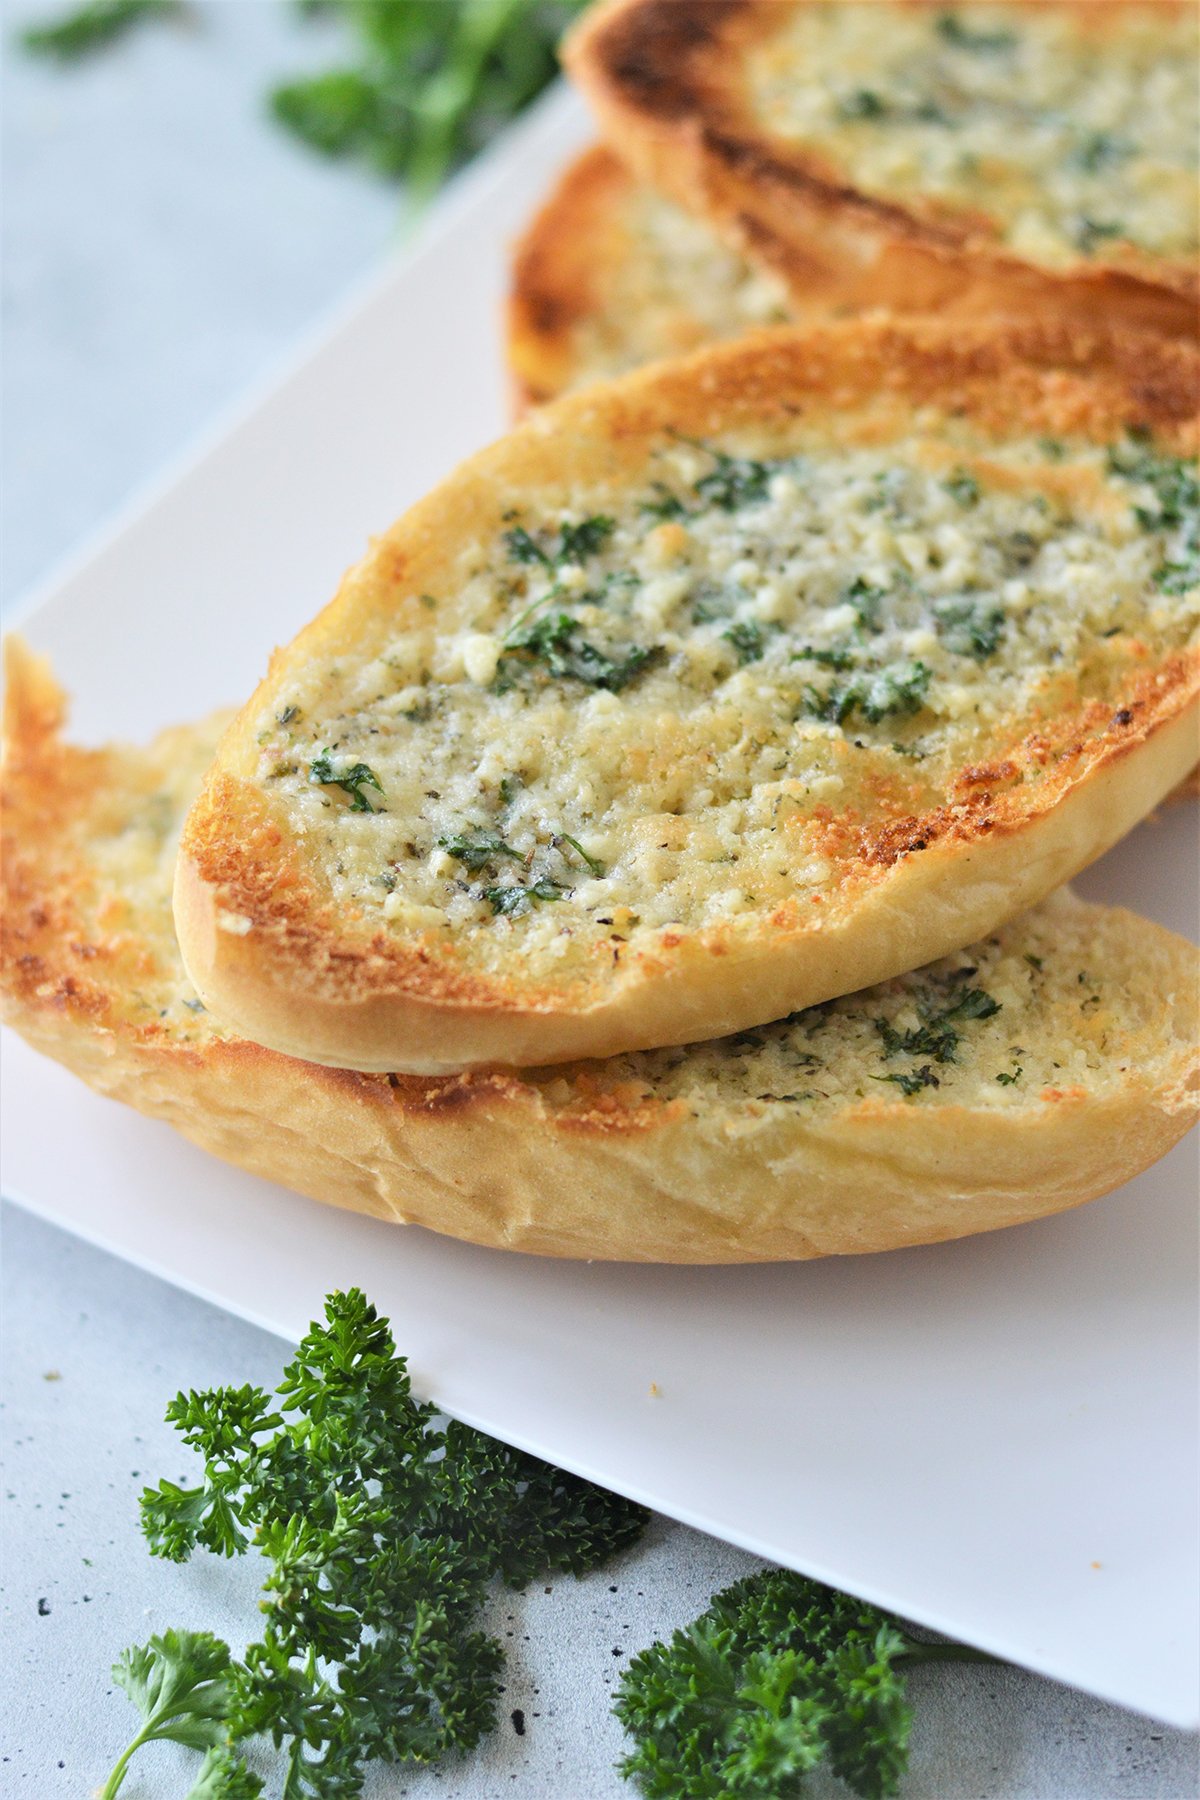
point(748, 640)
point(1089, 233)
point(595, 867)
point(323, 772)
point(866, 104)
point(866, 601)
point(575, 542)
point(224, 1776)
point(833, 656)
point(1175, 484)
point(712, 600)
point(557, 642)
point(963, 487)
point(1178, 578)
point(778, 1675)
point(665, 504)
point(426, 84)
point(951, 28)
point(912, 1081)
point(937, 1034)
point(1173, 480)
point(511, 900)
point(341, 112)
point(736, 481)
point(524, 548)
point(895, 691)
point(863, 103)
point(970, 627)
point(421, 87)
point(180, 1684)
point(478, 848)
point(1100, 150)
point(92, 26)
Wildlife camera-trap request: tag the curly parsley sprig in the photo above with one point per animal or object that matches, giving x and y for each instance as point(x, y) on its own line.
point(779, 1675)
point(383, 1534)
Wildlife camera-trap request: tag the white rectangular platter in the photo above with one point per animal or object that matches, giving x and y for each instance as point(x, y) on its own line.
point(996, 1437)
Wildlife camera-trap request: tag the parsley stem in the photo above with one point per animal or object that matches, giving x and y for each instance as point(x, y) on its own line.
point(448, 94)
point(121, 1766)
point(554, 593)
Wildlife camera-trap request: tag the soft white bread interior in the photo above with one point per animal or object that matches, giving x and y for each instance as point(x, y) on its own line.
point(1038, 1069)
point(742, 682)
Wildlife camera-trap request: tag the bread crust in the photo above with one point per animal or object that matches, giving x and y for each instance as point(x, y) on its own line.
point(276, 958)
point(594, 291)
point(665, 80)
point(556, 274)
point(501, 1159)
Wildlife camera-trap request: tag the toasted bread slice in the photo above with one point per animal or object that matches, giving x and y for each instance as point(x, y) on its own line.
point(746, 681)
point(609, 275)
point(1037, 156)
point(1033, 1072)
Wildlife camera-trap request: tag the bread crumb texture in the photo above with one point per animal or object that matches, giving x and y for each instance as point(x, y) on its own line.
point(656, 707)
point(1070, 131)
point(1064, 1002)
point(611, 274)
point(666, 283)
point(677, 287)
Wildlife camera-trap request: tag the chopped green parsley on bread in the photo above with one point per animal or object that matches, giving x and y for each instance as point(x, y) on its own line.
point(1030, 1072)
point(745, 682)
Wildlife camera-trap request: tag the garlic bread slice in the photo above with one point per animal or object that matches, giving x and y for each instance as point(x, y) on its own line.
point(744, 682)
point(1040, 1068)
point(1029, 156)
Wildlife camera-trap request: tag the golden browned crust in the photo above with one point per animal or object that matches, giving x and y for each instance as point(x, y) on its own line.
point(607, 276)
point(557, 265)
point(298, 973)
point(666, 80)
point(560, 1164)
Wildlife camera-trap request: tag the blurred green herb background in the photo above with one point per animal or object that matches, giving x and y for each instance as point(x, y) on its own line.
point(423, 86)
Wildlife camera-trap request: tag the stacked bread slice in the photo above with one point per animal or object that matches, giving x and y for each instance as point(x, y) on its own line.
point(654, 851)
point(1037, 156)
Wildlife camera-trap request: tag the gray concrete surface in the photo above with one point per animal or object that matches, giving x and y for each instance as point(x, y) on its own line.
point(93, 1350)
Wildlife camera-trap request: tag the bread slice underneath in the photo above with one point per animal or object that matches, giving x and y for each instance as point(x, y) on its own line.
point(1035, 1071)
point(1035, 157)
point(609, 274)
point(745, 681)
